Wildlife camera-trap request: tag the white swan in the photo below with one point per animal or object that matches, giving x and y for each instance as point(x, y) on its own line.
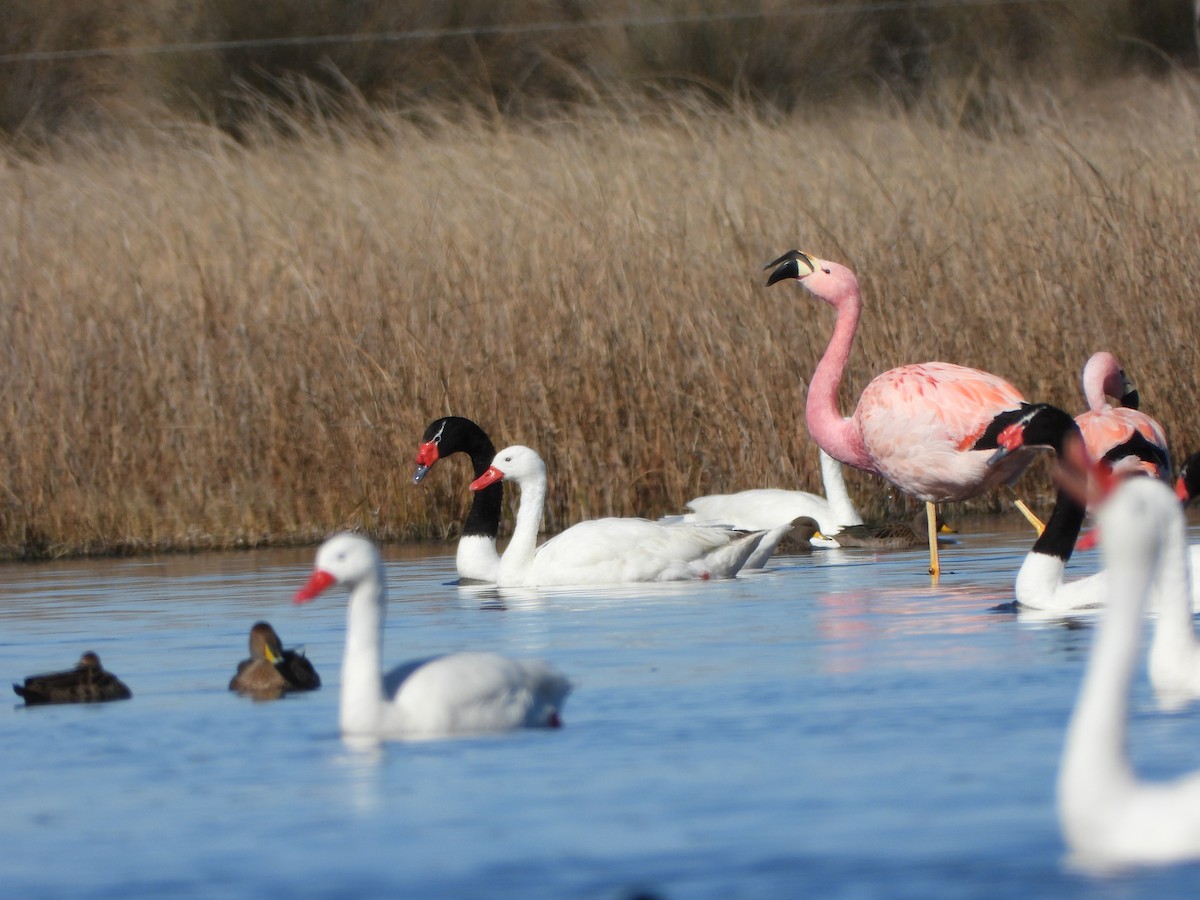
point(769, 508)
point(1174, 666)
point(1108, 816)
point(609, 550)
point(462, 693)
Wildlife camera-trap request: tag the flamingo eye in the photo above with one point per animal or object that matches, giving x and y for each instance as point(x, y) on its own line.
point(825, 269)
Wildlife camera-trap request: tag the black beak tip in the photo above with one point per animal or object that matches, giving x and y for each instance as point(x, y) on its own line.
point(789, 268)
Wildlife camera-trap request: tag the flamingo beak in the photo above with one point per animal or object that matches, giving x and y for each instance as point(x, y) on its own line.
point(793, 264)
point(427, 455)
point(490, 477)
point(316, 583)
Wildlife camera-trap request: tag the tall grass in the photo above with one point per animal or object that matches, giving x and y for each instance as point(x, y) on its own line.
point(211, 343)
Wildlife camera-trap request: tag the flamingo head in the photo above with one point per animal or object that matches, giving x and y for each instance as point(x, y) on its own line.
point(830, 281)
point(515, 463)
point(345, 559)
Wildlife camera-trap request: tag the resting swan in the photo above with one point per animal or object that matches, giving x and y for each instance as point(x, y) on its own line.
point(462, 693)
point(609, 550)
point(1108, 816)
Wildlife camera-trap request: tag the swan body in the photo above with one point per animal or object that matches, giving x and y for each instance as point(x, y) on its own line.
point(767, 508)
point(88, 682)
point(927, 428)
point(1108, 816)
point(609, 550)
point(1128, 439)
point(476, 558)
point(461, 693)
point(271, 671)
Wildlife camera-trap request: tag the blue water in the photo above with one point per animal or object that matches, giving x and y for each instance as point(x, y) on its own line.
point(832, 728)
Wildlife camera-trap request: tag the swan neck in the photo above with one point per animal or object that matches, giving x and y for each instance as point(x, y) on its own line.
point(1094, 757)
point(836, 435)
point(518, 556)
point(1174, 631)
point(834, 482)
point(362, 668)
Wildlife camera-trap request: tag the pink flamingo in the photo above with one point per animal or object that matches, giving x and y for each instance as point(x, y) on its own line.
point(928, 428)
point(1120, 435)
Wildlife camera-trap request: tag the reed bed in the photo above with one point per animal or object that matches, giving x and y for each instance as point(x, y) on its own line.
point(212, 343)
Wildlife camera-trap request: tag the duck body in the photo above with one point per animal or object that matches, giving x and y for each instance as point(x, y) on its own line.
point(88, 682)
point(892, 535)
point(271, 671)
point(442, 696)
point(609, 550)
point(476, 559)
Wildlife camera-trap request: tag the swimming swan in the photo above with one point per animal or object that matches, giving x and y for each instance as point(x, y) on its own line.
point(462, 693)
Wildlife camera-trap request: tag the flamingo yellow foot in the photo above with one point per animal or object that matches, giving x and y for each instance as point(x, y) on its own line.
point(1038, 525)
point(935, 568)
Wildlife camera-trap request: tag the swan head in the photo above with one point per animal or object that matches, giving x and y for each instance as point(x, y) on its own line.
point(514, 463)
point(345, 559)
point(1187, 485)
point(1039, 425)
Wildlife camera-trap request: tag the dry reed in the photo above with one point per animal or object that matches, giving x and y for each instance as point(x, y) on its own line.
point(212, 344)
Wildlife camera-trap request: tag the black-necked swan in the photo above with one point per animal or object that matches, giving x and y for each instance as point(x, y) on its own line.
point(457, 694)
point(1109, 817)
point(476, 559)
point(271, 671)
point(609, 550)
point(88, 682)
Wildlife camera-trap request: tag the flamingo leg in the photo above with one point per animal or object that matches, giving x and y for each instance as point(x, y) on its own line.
point(1038, 525)
point(935, 568)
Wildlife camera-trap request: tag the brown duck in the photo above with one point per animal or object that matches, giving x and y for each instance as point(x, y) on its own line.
point(86, 683)
point(271, 671)
point(892, 535)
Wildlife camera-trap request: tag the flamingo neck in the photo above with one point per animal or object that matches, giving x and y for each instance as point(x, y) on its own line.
point(838, 436)
point(841, 507)
point(518, 555)
point(362, 667)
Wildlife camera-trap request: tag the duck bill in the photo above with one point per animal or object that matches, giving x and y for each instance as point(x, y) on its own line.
point(317, 582)
point(490, 477)
point(427, 455)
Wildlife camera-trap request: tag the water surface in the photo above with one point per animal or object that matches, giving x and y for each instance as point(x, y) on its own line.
point(834, 727)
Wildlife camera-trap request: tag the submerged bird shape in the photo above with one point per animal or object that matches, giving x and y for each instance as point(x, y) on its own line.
point(443, 696)
point(476, 559)
point(1128, 439)
point(1110, 817)
point(271, 671)
point(927, 428)
point(605, 551)
point(88, 682)
point(757, 509)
